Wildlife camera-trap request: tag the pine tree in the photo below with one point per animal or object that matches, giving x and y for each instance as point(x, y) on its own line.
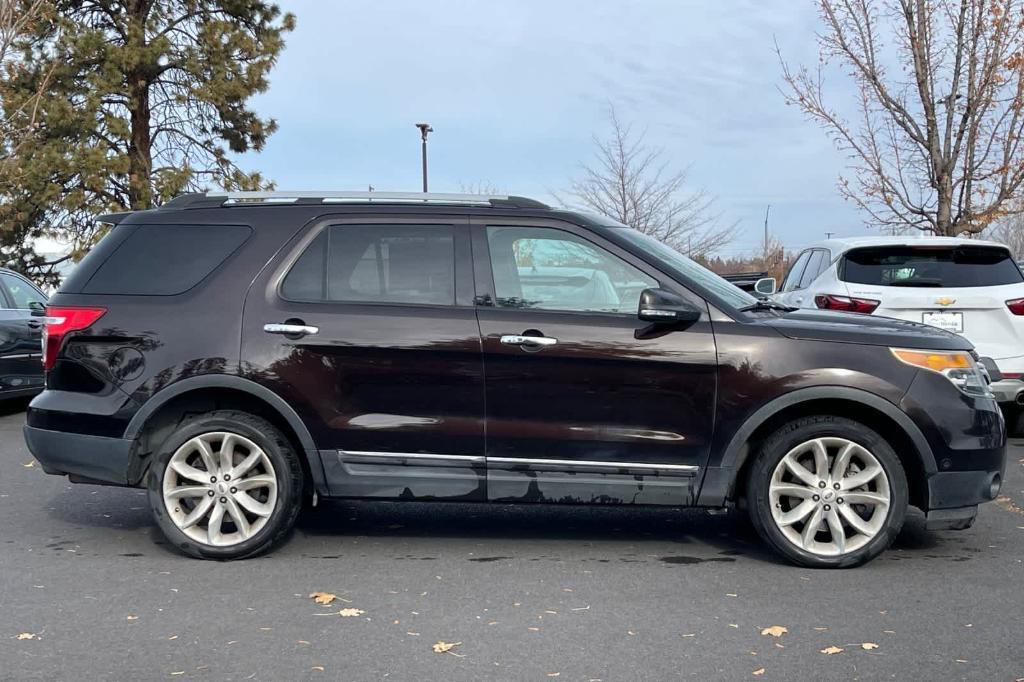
point(143, 99)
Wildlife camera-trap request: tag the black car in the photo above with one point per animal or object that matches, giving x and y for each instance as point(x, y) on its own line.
point(21, 324)
point(241, 354)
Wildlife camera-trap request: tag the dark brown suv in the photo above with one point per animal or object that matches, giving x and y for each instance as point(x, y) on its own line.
point(240, 354)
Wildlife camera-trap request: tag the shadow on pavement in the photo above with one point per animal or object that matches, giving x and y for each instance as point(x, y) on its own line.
point(9, 406)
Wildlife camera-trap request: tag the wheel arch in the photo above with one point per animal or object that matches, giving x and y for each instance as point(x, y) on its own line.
point(163, 412)
point(887, 419)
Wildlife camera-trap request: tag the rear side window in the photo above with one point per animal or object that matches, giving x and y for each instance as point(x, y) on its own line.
point(413, 264)
point(913, 266)
point(164, 260)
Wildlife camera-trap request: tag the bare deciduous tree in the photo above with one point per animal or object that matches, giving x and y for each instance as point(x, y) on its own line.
point(631, 183)
point(1009, 231)
point(936, 141)
point(17, 20)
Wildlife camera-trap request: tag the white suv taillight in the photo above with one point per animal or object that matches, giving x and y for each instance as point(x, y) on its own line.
point(845, 303)
point(1016, 306)
point(61, 321)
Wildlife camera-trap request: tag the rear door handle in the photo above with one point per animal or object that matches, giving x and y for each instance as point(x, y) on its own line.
point(290, 329)
point(518, 340)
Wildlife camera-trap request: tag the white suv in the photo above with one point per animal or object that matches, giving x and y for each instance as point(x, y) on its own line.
point(967, 286)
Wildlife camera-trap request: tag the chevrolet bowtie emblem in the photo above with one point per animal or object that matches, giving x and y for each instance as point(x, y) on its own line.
point(945, 300)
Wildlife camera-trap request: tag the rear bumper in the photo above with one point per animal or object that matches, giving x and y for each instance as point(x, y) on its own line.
point(1008, 390)
point(96, 458)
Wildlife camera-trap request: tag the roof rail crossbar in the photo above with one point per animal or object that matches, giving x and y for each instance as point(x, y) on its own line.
point(282, 197)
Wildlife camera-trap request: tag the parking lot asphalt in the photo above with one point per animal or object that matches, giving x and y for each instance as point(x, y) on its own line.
point(528, 593)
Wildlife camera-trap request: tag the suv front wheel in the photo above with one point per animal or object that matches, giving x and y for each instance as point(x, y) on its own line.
point(827, 492)
point(226, 485)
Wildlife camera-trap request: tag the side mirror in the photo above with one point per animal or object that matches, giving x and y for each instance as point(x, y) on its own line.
point(38, 309)
point(661, 306)
point(765, 286)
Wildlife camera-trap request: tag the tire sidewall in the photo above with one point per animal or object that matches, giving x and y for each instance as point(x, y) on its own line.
point(289, 485)
point(800, 431)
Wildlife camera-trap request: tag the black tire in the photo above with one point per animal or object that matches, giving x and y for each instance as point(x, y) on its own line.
point(288, 474)
point(802, 430)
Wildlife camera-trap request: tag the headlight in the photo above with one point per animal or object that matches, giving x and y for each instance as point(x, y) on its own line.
point(957, 366)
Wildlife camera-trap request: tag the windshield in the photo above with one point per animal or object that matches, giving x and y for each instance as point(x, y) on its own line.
point(921, 266)
point(691, 271)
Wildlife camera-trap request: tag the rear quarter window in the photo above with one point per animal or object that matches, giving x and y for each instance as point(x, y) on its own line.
point(913, 266)
point(165, 260)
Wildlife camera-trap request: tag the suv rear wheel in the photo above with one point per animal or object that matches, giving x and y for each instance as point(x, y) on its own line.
point(226, 485)
point(827, 492)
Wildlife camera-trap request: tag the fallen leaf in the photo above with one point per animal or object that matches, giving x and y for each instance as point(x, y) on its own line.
point(554, 674)
point(31, 464)
point(821, 629)
point(178, 672)
point(173, 637)
point(445, 647)
point(775, 631)
point(961, 660)
point(730, 594)
point(533, 629)
point(348, 613)
point(27, 635)
point(733, 625)
point(759, 671)
point(414, 634)
point(868, 646)
point(317, 668)
point(324, 598)
point(131, 617)
point(828, 651)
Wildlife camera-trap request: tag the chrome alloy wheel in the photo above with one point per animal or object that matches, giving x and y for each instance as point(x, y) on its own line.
point(220, 489)
point(829, 496)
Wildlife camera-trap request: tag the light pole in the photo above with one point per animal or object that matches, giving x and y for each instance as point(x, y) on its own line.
point(425, 130)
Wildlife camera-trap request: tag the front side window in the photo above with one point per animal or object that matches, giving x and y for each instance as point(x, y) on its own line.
point(796, 271)
point(549, 269)
point(411, 264)
point(812, 269)
point(21, 293)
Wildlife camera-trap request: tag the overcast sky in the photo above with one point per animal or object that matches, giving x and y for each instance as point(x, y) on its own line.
point(515, 91)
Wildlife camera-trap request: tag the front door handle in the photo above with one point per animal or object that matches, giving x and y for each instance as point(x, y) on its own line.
point(519, 340)
point(288, 329)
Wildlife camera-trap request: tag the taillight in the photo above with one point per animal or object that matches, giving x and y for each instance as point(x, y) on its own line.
point(60, 322)
point(1016, 306)
point(845, 303)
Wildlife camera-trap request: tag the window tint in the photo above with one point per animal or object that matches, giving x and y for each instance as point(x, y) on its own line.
point(20, 292)
point(796, 270)
point(910, 266)
point(307, 280)
point(377, 264)
point(550, 269)
point(812, 269)
point(164, 260)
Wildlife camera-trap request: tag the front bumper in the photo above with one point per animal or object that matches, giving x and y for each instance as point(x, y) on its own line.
point(90, 458)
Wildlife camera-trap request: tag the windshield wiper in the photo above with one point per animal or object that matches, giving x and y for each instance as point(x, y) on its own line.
point(765, 304)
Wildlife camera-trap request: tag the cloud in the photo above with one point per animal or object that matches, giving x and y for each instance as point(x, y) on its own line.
point(515, 91)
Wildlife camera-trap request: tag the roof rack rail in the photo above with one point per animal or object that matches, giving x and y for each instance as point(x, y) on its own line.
point(307, 197)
